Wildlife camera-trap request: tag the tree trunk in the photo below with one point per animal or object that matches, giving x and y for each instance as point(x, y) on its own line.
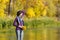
point(10, 7)
point(58, 10)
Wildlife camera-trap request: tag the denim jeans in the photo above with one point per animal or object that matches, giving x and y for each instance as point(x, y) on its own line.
point(19, 34)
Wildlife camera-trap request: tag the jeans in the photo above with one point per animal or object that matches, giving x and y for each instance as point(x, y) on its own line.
point(19, 34)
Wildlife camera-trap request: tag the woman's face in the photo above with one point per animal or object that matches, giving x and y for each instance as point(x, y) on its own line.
point(21, 15)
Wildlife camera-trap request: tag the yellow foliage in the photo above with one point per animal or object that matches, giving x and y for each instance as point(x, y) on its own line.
point(0, 0)
point(41, 4)
point(2, 13)
point(44, 12)
point(2, 7)
point(39, 8)
point(4, 1)
point(30, 12)
point(7, 0)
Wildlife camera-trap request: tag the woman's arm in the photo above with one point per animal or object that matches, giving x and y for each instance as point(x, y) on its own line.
point(15, 22)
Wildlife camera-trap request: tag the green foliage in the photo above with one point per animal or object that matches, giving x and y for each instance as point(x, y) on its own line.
point(34, 23)
point(6, 23)
point(42, 22)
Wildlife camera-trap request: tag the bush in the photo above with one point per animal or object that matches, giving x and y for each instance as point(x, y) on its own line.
point(33, 23)
point(6, 22)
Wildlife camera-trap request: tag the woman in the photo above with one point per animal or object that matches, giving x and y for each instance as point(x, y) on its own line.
point(19, 23)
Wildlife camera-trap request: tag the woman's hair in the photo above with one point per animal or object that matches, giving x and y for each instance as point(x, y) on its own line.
point(19, 12)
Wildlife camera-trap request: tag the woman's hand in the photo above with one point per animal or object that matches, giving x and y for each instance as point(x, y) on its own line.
point(20, 26)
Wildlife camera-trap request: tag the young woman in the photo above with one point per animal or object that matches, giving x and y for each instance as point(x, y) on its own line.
point(19, 23)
